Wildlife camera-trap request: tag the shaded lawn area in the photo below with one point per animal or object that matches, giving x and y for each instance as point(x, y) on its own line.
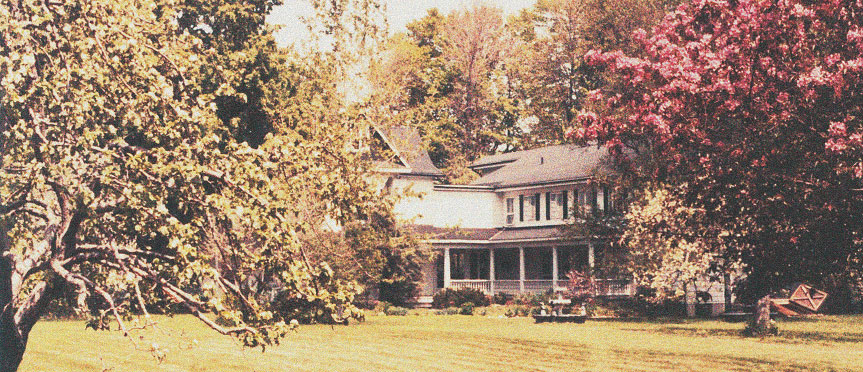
point(460, 343)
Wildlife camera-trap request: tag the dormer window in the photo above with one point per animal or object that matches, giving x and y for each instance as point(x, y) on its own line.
point(510, 211)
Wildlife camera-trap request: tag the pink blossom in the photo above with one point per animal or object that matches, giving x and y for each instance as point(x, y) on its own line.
point(595, 95)
point(837, 129)
point(640, 35)
point(855, 35)
point(587, 118)
point(835, 145)
point(802, 11)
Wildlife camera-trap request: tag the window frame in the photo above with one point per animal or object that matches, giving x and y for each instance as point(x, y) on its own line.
point(538, 210)
point(510, 211)
point(521, 208)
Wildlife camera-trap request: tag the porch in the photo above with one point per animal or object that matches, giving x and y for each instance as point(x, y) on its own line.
point(604, 287)
point(515, 270)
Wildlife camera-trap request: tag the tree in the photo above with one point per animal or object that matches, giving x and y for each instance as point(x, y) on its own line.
point(559, 33)
point(451, 78)
point(750, 112)
point(133, 172)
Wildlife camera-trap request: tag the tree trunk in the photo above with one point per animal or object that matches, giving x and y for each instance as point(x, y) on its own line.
point(760, 325)
point(762, 314)
point(726, 281)
point(12, 342)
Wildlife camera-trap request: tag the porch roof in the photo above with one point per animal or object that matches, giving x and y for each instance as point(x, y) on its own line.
point(454, 233)
point(528, 234)
point(491, 235)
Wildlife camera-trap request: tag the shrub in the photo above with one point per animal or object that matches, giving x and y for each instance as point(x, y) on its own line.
point(534, 299)
point(366, 303)
point(389, 309)
point(447, 311)
point(455, 297)
point(466, 308)
point(307, 311)
point(397, 292)
point(518, 310)
point(501, 298)
point(396, 311)
point(753, 330)
point(382, 306)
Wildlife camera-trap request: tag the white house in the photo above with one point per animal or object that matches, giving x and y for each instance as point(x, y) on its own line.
point(506, 231)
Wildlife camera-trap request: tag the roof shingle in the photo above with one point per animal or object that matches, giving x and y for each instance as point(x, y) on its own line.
point(542, 165)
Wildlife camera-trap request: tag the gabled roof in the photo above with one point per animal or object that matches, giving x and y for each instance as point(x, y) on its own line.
point(541, 166)
point(408, 147)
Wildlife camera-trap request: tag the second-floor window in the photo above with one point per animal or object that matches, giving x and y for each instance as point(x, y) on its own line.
point(521, 208)
point(533, 211)
point(538, 204)
point(559, 205)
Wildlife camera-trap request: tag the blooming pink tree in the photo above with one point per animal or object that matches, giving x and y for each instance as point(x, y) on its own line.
point(751, 111)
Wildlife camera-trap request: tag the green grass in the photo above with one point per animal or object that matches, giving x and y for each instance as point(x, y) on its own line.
point(461, 343)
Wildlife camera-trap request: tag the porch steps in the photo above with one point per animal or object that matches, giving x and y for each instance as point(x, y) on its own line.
point(423, 302)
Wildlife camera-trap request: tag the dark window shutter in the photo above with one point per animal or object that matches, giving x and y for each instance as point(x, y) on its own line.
point(536, 196)
point(565, 204)
point(521, 208)
point(576, 203)
point(547, 206)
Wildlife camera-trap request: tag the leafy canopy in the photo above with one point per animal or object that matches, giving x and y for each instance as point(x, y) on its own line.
point(160, 154)
point(747, 114)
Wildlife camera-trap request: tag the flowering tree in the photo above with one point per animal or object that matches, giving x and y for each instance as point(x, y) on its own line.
point(749, 114)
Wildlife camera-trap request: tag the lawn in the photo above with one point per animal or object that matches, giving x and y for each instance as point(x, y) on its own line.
point(460, 343)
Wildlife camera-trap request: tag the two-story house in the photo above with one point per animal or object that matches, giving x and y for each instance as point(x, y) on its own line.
point(505, 231)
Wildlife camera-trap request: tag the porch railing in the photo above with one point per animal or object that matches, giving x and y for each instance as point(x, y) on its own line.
point(481, 284)
point(537, 286)
point(614, 287)
point(604, 287)
point(506, 286)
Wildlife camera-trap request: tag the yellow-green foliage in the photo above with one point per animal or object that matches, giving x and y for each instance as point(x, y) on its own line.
point(165, 154)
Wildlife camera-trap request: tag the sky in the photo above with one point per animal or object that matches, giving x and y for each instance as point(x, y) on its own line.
point(399, 13)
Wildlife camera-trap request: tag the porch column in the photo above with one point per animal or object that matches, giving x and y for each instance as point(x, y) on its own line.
point(590, 261)
point(554, 267)
point(521, 269)
point(446, 268)
point(491, 270)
